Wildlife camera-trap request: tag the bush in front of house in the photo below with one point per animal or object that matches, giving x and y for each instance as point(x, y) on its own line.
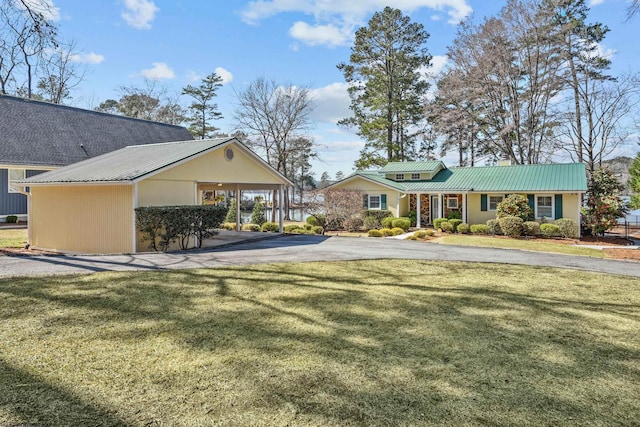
point(549, 230)
point(446, 227)
point(397, 231)
point(317, 230)
point(567, 228)
point(511, 225)
point(270, 226)
point(494, 227)
point(514, 205)
point(257, 216)
point(401, 222)
point(413, 217)
point(454, 215)
point(479, 229)
point(462, 228)
point(411, 237)
point(291, 228)
point(437, 223)
point(380, 215)
point(454, 224)
point(229, 226)
point(353, 223)
point(164, 225)
point(250, 227)
point(11, 219)
point(316, 220)
point(530, 228)
point(430, 232)
point(420, 234)
point(386, 232)
point(374, 233)
point(232, 213)
point(371, 223)
point(387, 222)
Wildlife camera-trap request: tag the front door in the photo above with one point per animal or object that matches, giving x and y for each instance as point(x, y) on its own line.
point(435, 208)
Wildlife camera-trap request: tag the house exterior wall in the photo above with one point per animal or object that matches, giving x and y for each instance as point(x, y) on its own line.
point(396, 205)
point(13, 203)
point(162, 192)
point(87, 219)
point(475, 215)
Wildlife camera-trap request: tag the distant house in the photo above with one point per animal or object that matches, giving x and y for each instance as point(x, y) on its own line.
point(89, 206)
point(38, 136)
point(434, 191)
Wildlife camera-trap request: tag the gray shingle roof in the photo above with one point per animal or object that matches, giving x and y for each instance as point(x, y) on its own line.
point(129, 163)
point(44, 134)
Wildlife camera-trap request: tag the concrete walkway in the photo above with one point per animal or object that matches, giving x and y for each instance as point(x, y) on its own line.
point(303, 248)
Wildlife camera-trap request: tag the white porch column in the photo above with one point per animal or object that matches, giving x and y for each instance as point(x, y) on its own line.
point(238, 226)
point(280, 205)
point(440, 205)
point(464, 208)
point(418, 210)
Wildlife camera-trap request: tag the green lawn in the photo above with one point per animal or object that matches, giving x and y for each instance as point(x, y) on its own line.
point(13, 238)
point(386, 342)
point(541, 246)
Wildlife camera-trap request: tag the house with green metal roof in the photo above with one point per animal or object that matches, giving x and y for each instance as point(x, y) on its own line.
point(433, 190)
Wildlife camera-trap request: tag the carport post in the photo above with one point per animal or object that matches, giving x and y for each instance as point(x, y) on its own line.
point(238, 207)
point(418, 210)
point(280, 211)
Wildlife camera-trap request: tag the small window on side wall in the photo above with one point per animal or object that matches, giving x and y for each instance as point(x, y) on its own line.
point(374, 202)
point(494, 201)
point(399, 177)
point(544, 207)
point(452, 203)
point(415, 176)
point(14, 175)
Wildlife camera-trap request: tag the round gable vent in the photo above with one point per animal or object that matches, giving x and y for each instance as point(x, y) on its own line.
point(228, 154)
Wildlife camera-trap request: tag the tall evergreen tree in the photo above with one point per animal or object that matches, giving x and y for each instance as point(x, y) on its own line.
point(634, 182)
point(386, 89)
point(203, 110)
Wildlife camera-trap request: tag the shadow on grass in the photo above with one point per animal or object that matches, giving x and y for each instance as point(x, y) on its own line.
point(363, 343)
point(36, 402)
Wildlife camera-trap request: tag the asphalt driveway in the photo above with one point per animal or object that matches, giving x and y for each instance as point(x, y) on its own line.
point(301, 248)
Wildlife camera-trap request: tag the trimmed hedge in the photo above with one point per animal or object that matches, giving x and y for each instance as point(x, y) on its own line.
point(164, 225)
point(530, 228)
point(479, 229)
point(402, 222)
point(386, 232)
point(250, 227)
point(420, 234)
point(463, 228)
point(317, 220)
point(411, 237)
point(511, 225)
point(437, 223)
point(387, 222)
point(374, 233)
point(494, 227)
point(270, 226)
point(549, 230)
point(455, 223)
point(291, 228)
point(371, 223)
point(317, 230)
point(397, 231)
point(446, 226)
point(567, 227)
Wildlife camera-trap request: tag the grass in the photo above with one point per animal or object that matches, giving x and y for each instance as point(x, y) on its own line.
point(386, 342)
point(13, 238)
point(540, 246)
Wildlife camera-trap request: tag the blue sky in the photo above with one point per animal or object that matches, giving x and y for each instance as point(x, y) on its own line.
point(296, 42)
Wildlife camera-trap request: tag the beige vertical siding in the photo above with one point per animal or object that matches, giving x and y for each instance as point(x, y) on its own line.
point(160, 192)
point(86, 219)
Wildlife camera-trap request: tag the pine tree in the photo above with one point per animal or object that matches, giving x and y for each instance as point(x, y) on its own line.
point(257, 216)
point(202, 108)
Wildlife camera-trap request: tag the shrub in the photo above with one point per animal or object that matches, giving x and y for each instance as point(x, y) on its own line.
point(410, 237)
point(420, 234)
point(463, 228)
point(403, 223)
point(353, 223)
point(257, 216)
point(316, 220)
point(386, 232)
point(230, 226)
point(387, 222)
point(549, 230)
point(530, 228)
point(232, 212)
point(290, 228)
point(479, 229)
point(11, 219)
point(413, 217)
point(430, 232)
point(514, 205)
point(250, 227)
point(270, 226)
point(454, 215)
point(371, 223)
point(567, 227)
point(374, 233)
point(511, 225)
point(455, 223)
point(307, 227)
point(494, 226)
point(446, 227)
point(397, 231)
point(317, 230)
point(438, 221)
point(379, 215)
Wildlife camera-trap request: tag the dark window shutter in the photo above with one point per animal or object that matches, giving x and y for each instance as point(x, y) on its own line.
point(532, 202)
point(383, 202)
point(483, 202)
point(558, 206)
point(365, 201)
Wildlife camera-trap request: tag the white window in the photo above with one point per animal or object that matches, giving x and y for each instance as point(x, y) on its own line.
point(374, 202)
point(452, 203)
point(15, 175)
point(399, 177)
point(415, 176)
point(494, 201)
point(544, 206)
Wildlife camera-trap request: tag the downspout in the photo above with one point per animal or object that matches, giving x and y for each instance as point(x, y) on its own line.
point(134, 232)
point(28, 194)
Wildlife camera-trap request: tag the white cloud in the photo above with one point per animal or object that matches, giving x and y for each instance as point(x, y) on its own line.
point(45, 7)
point(331, 103)
point(595, 2)
point(88, 58)
point(160, 70)
point(193, 76)
point(226, 75)
point(336, 20)
point(139, 13)
point(314, 35)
